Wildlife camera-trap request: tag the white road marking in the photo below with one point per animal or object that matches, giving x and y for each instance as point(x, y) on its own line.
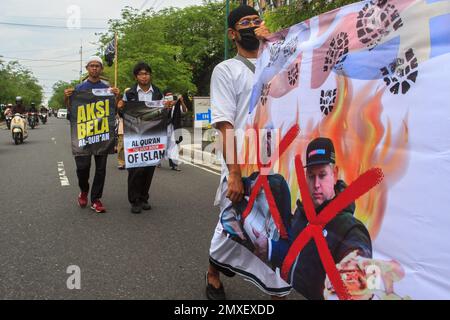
point(210, 160)
point(193, 156)
point(62, 174)
point(188, 161)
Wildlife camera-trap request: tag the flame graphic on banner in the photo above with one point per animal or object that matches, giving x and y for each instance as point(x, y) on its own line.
point(361, 142)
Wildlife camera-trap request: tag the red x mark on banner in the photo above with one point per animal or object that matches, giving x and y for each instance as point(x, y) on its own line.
point(314, 230)
point(262, 182)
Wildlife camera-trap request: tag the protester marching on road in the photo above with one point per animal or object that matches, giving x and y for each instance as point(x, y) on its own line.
point(174, 138)
point(231, 87)
point(94, 67)
point(140, 178)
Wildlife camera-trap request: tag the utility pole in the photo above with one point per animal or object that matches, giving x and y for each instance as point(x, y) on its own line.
point(116, 58)
point(227, 12)
point(81, 59)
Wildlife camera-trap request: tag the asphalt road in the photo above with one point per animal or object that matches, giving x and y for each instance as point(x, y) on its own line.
point(160, 254)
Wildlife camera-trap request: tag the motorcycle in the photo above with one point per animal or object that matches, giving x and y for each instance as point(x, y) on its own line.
point(8, 119)
point(32, 119)
point(43, 117)
point(19, 128)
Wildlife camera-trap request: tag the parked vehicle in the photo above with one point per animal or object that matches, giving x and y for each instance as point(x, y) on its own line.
point(62, 114)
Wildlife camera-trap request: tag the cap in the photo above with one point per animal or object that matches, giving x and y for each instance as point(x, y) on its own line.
point(320, 151)
point(240, 12)
point(94, 59)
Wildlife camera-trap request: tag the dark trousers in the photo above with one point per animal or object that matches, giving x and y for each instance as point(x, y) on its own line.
point(139, 182)
point(83, 169)
point(172, 164)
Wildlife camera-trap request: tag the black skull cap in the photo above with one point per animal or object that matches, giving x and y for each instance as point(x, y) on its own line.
point(240, 12)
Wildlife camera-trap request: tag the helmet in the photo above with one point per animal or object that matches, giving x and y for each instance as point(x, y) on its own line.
point(18, 98)
point(33, 104)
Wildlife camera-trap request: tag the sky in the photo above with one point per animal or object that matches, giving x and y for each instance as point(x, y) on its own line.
point(57, 48)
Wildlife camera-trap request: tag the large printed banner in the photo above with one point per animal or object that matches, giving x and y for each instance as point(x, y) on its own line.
point(374, 77)
point(145, 133)
point(92, 122)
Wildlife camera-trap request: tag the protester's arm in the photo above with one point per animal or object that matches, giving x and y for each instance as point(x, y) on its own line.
point(121, 105)
point(116, 92)
point(169, 104)
point(183, 105)
point(262, 32)
point(223, 114)
point(235, 190)
point(67, 94)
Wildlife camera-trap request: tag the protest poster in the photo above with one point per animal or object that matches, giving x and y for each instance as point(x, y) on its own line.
point(373, 78)
point(145, 133)
point(92, 122)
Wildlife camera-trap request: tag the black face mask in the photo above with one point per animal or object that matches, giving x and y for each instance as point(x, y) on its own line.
point(248, 39)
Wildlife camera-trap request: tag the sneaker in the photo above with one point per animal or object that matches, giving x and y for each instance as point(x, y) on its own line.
point(121, 167)
point(176, 169)
point(82, 199)
point(98, 207)
point(146, 206)
point(213, 293)
point(136, 208)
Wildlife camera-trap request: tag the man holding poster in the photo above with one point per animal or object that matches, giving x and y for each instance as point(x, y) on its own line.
point(145, 135)
point(231, 87)
point(91, 110)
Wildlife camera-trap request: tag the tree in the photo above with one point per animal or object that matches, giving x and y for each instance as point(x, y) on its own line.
point(16, 80)
point(57, 99)
point(182, 45)
point(299, 11)
point(199, 30)
point(142, 38)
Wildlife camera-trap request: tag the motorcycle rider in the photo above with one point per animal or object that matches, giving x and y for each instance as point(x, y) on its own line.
point(33, 107)
point(33, 114)
point(8, 115)
point(20, 121)
point(43, 109)
point(8, 110)
point(19, 107)
point(43, 113)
